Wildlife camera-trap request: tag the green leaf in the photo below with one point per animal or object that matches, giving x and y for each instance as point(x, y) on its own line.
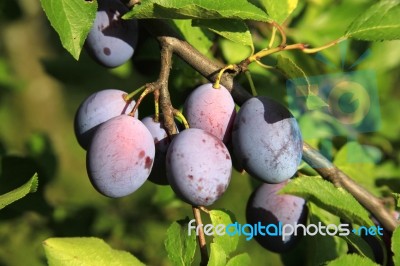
point(279, 11)
point(194, 35)
point(179, 244)
point(85, 251)
point(72, 20)
point(226, 242)
point(322, 248)
point(396, 246)
point(217, 255)
point(353, 160)
point(351, 260)
point(198, 9)
point(240, 260)
point(396, 197)
point(294, 73)
point(291, 70)
point(360, 245)
point(231, 29)
point(315, 102)
point(380, 22)
point(233, 52)
point(18, 193)
point(325, 195)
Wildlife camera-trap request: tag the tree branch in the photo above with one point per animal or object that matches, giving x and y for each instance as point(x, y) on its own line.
point(331, 173)
point(209, 69)
point(168, 114)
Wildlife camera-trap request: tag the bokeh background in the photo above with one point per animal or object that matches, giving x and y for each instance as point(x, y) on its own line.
point(41, 87)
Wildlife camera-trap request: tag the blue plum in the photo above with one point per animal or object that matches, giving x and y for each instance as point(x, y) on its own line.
point(120, 156)
point(266, 140)
point(161, 141)
point(198, 167)
point(96, 109)
point(112, 40)
point(212, 110)
point(268, 207)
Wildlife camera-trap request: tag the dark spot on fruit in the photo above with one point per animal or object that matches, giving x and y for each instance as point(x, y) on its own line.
point(141, 154)
point(220, 189)
point(199, 188)
point(218, 144)
point(190, 177)
point(106, 51)
point(203, 140)
point(148, 162)
point(227, 157)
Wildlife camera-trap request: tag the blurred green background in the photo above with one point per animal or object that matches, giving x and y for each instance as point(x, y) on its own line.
point(41, 86)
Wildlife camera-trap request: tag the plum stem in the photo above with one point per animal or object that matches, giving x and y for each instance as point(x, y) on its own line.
point(250, 79)
point(201, 237)
point(129, 97)
point(216, 84)
point(149, 89)
point(178, 114)
point(156, 106)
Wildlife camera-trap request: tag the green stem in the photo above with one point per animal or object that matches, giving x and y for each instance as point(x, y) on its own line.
point(330, 44)
point(271, 42)
point(156, 106)
point(129, 97)
point(178, 114)
point(148, 90)
point(250, 79)
point(221, 72)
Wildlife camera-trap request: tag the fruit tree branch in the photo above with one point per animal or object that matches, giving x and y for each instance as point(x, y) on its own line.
point(331, 173)
point(168, 115)
point(209, 69)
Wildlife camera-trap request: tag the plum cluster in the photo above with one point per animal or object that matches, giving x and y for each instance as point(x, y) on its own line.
point(264, 139)
point(123, 152)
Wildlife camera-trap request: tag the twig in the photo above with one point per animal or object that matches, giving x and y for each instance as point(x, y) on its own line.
point(331, 173)
point(201, 237)
point(165, 100)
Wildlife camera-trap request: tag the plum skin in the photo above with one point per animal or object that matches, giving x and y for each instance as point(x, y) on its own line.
point(161, 141)
point(266, 140)
point(96, 109)
point(111, 40)
point(199, 167)
point(120, 156)
point(212, 110)
point(268, 207)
